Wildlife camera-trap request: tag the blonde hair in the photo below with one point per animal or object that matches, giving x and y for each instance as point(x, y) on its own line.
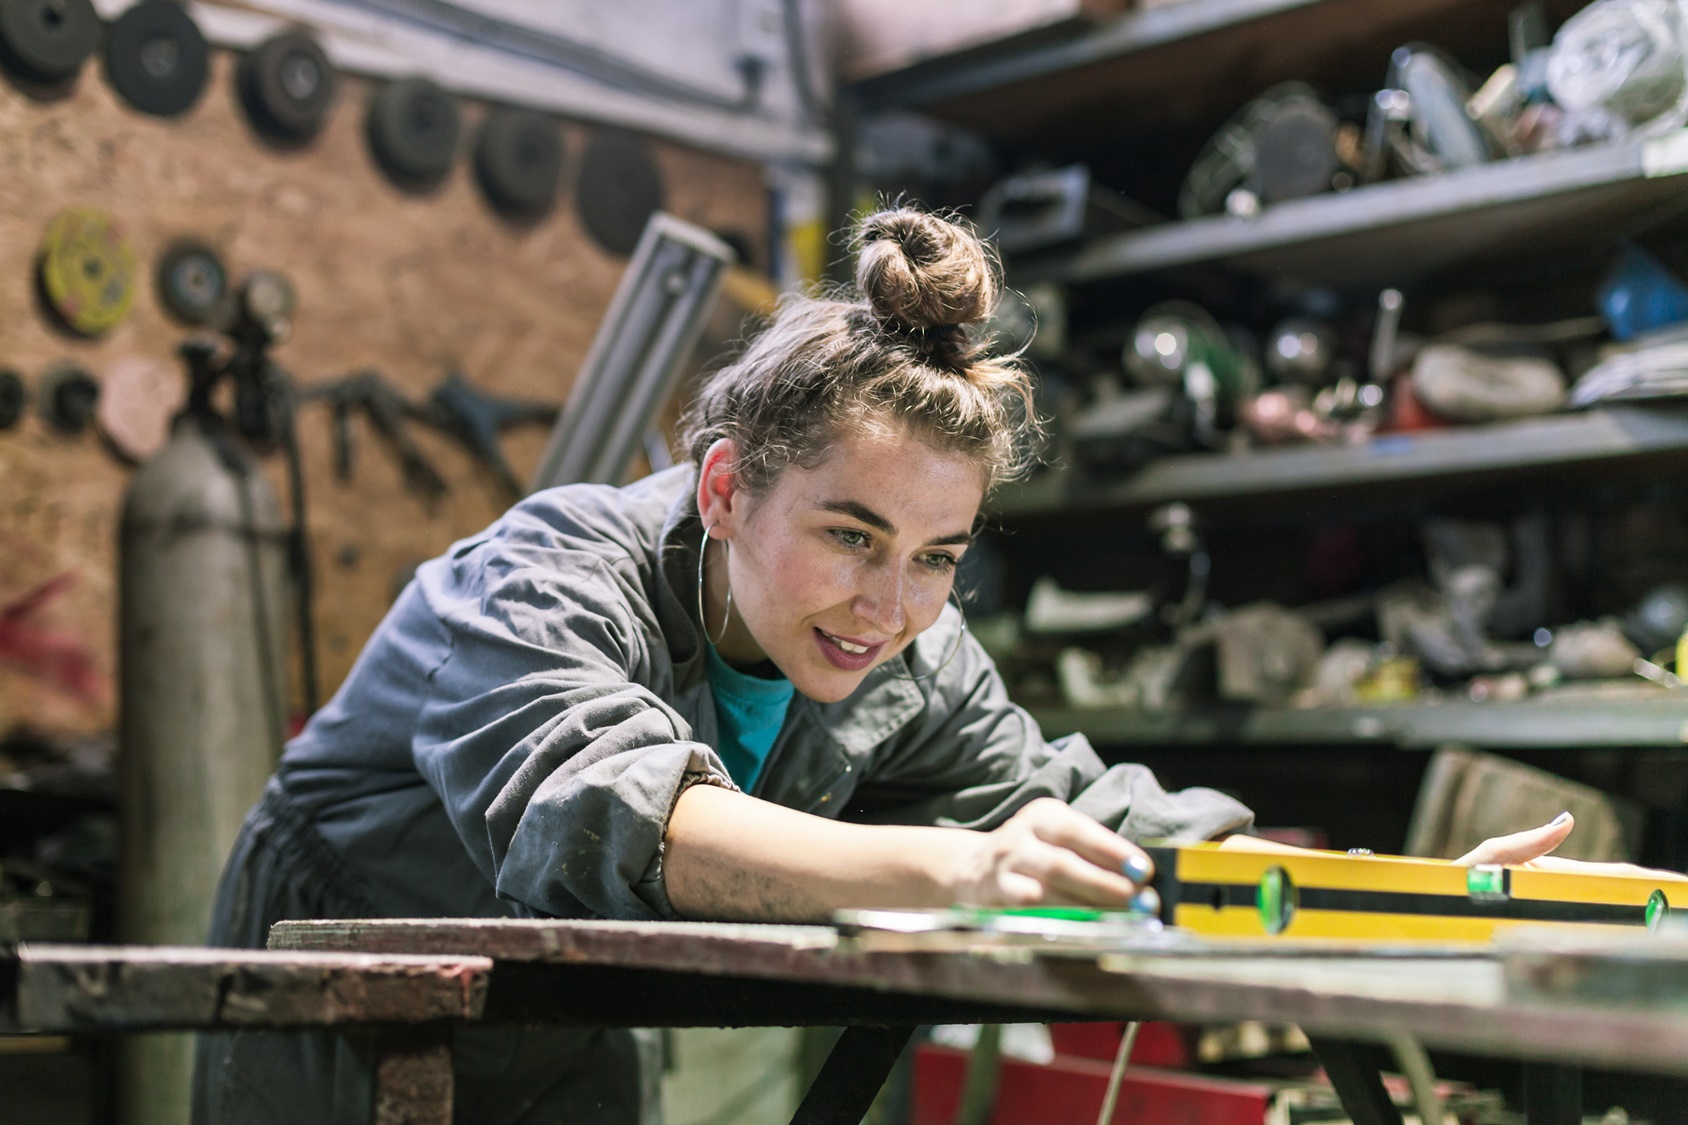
point(895, 350)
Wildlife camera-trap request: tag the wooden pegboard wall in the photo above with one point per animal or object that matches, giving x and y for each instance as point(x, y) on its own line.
point(409, 285)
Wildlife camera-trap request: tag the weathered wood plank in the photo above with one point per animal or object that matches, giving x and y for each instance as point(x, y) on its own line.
point(117, 988)
point(1455, 998)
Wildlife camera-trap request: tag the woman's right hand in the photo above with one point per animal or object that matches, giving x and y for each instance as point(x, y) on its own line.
point(1049, 854)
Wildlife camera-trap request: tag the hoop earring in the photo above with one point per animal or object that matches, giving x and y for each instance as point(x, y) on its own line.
point(726, 618)
point(959, 637)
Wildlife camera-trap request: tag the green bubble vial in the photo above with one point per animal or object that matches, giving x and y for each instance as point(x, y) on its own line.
point(1275, 899)
point(1658, 909)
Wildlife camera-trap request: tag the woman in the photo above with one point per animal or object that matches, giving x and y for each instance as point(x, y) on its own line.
point(735, 689)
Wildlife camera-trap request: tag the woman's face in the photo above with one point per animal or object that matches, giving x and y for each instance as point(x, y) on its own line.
point(836, 569)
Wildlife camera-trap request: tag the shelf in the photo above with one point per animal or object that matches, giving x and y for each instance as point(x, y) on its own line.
point(1456, 454)
point(1398, 232)
point(1179, 63)
point(1498, 726)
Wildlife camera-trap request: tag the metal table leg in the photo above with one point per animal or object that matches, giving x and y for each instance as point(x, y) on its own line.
point(1552, 1094)
point(852, 1076)
point(413, 1080)
point(1358, 1081)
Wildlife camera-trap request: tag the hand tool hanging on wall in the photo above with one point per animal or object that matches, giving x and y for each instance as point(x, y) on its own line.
point(620, 189)
point(519, 162)
point(646, 336)
point(476, 418)
point(14, 397)
point(46, 41)
point(387, 410)
point(287, 87)
point(156, 58)
point(413, 127)
point(86, 270)
point(193, 285)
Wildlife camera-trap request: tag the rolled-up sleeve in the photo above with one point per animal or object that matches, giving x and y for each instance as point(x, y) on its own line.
point(972, 758)
point(557, 766)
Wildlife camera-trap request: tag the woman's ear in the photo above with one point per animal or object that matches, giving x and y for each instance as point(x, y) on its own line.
point(718, 491)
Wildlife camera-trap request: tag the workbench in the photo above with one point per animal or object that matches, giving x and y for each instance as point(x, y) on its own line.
point(1557, 1003)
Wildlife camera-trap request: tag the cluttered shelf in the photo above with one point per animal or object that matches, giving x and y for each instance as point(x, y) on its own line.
point(1190, 58)
point(1547, 443)
point(1396, 232)
point(1498, 726)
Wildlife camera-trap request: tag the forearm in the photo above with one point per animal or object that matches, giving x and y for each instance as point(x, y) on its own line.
point(732, 856)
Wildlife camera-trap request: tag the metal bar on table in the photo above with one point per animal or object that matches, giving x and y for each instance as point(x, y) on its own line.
point(641, 345)
point(852, 1076)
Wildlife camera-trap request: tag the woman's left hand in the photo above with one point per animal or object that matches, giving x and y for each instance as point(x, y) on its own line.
point(1530, 848)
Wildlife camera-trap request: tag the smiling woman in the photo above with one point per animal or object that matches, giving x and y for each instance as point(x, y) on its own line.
point(736, 689)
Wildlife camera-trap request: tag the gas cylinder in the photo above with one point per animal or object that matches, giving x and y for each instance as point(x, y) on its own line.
point(204, 600)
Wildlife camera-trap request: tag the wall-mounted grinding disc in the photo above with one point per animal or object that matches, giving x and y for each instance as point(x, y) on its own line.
point(87, 270)
point(47, 40)
point(620, 188)
point(287, 86)
point(519, 161)
point(14, 396)
point(192, 283)
point(67, 398)
point(156, 59)
point(413, 129)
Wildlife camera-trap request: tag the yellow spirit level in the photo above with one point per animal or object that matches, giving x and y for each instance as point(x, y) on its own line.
point(1225, 893)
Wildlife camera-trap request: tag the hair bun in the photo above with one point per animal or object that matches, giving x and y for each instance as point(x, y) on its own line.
point(921, 272)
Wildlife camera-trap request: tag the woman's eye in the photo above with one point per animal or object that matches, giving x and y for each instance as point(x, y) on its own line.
point(850, 537)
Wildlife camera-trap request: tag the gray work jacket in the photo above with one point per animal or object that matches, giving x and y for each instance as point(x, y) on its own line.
point(516, 732)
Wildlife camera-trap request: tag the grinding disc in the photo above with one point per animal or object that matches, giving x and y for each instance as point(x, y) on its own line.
point(519, 161)
point(87, 270)
point(413, 128)
point(47, 40)
point(620, 188)
point(156, 59)
point(287, 86)
point(139, 396)
point(14, 396)
point(67, 398)
point(192, 282)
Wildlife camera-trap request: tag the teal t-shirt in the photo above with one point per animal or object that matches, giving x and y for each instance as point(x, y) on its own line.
point(749, 712)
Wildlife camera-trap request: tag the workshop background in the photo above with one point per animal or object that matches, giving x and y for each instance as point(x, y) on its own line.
point(1361, 327)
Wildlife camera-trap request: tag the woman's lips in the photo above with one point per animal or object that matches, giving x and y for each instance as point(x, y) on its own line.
point(839, 657)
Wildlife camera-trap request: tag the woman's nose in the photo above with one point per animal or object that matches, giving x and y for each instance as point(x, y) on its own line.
point(880, 602)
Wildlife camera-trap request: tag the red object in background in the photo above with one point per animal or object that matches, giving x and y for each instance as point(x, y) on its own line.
point(1158, 1043)
point(1406, 412)
point(1070, 1090)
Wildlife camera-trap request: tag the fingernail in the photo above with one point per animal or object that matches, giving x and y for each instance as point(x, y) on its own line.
point(1561, 819)
point(1146, 901)
point(1138, 868)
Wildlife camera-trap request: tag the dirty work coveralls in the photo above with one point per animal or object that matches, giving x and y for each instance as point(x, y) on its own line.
point(510, 744)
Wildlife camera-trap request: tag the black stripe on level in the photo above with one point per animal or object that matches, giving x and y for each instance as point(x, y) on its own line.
point(1219, 895)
